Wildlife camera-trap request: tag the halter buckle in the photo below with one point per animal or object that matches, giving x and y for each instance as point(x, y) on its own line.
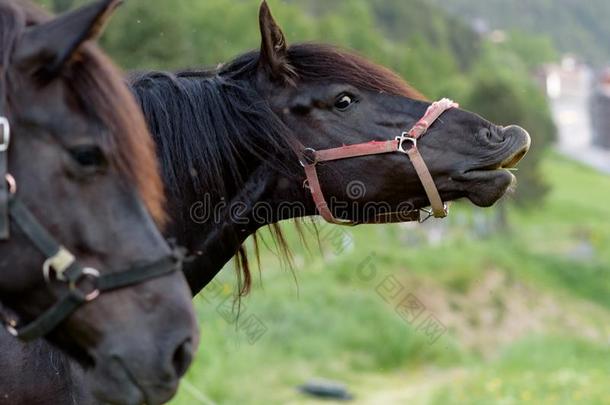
point(406, 137)
point(59, 263)
point(87, 272)
point(308, 157)
point(5, 132)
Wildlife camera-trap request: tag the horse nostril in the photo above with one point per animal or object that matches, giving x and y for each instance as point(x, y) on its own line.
point(183, 355)
point(485, 133)
point(491, 135)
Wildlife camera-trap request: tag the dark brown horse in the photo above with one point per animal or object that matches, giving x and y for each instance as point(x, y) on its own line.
point(237, 134)
point(232, 137)
point(82, 181)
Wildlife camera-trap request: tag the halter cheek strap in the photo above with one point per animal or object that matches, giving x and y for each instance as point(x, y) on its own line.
point(407, 144)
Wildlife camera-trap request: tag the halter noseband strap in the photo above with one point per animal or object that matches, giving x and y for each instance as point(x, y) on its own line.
point(407, 144)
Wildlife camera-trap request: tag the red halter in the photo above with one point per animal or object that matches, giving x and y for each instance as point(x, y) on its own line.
point(439, 209)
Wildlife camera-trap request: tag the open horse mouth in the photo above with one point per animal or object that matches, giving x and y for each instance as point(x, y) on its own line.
point(485, 185)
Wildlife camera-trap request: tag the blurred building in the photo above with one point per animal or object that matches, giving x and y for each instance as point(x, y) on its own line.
point(580, 103)
point(568, 87)
point(600, 110)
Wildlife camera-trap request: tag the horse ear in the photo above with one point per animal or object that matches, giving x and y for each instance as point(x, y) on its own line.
point(48, 47)
point(274, 49)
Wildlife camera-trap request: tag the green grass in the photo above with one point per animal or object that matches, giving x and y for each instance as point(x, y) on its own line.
point(332, 322)
point(541, 370)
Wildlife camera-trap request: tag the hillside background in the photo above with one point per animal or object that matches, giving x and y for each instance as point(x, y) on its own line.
point(514, 301)
point(575, 26)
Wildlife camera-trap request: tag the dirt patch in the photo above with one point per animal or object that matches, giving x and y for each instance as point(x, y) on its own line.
point(495, 311)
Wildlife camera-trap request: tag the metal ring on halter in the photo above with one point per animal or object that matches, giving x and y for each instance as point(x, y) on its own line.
point(12, 183)
point(11, 327)
point(405, 137)
point(313, 153)
point(87, 272)
point(6, 134)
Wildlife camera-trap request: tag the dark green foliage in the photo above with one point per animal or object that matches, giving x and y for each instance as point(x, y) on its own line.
point(402, 20)
point(521, 105)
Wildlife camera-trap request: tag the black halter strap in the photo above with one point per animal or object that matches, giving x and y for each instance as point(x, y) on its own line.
point(84, 284)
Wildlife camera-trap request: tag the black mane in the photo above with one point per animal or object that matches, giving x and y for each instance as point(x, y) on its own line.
point(208, 125)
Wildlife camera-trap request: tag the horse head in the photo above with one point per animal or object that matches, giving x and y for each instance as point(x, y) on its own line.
point(83, 189)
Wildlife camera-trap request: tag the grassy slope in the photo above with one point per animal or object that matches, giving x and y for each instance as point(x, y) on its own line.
point(334, 323)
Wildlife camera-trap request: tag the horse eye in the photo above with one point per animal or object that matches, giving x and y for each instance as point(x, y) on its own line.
point(343, 102)
point(88, 156)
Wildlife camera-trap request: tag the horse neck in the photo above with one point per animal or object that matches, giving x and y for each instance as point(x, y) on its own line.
point(260, 203)
point(200, 117)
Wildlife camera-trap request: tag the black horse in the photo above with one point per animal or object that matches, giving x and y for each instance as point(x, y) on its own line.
point(237, 133)
point(79, 179)
point(233, 136)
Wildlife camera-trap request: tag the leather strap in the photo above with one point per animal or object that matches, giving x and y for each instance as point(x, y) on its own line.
point(432, 114)
point(29, 225)
point(74, 298)
point(318, 197)
point(69, 271)
point(359, 150)
point(49, 320)
point(439, 209)
point(317, 194)
point(438, 206)
point(138, 274)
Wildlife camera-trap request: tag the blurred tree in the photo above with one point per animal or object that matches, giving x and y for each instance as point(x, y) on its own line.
point(502, 91)
point(402, 20)
point(505, 100)
point(533, 50)
point(143, 35)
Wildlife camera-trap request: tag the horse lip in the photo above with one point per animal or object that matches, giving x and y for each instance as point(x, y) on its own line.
point(509, 162)
point(148, 399)
point(133, 380)
point(512, 162)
